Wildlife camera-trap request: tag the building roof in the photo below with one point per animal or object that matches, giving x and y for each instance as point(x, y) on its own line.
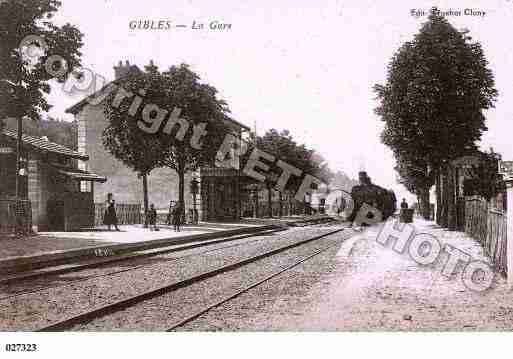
point(241, 125)
point(76, 108)
point(42, 145)
point(79, 175)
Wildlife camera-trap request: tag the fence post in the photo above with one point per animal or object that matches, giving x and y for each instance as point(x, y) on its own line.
point(509, 232)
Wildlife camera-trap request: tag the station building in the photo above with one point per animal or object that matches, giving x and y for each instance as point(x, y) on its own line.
point(220, 189)
point(49, 184)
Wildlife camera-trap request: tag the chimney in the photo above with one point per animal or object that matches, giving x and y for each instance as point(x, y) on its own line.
point(122, 70)
point(363, 178)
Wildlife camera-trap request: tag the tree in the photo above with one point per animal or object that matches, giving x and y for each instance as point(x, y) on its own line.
point(275, 143)
point(58, 131)
point(414, 174)
point(483, 179)
point(177, 89)
point(342, 181)
point(199, 105)
point(24, 79)
point(437, 86)
point(125, 141)
point(284, 147)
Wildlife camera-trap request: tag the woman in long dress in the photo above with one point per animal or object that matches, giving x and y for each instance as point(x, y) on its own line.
point(110, 217)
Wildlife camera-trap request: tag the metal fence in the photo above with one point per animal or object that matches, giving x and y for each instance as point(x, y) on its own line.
point(10, 222)
point(126, 213)
point(287, 208)
point(488, 226)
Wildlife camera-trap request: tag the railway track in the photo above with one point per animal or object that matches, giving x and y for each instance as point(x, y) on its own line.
point(30, 279)
point(127, 303)
point(145, 253)
point(134, 256)
point(247, 288)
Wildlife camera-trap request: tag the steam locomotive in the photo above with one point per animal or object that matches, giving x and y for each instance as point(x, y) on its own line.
point(378, 197)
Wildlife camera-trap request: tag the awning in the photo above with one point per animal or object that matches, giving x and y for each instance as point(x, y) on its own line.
point(81, 175)
point(43, 145)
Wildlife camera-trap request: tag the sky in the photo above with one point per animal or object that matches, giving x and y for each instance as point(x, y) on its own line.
point(305, 66)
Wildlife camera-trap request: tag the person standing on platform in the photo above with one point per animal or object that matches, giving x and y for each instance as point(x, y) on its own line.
point(152, 218)
point(177, 217)
point(169, 219)
point(404, 204)
point(110, 217)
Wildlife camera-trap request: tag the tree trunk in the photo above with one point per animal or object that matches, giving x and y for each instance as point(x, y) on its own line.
point(423, 200)
point(145, 199)
point(281, 204)
point(438, 198)
point(445, 197)
point(181, 189)
point(269, 201)
point(256, 203)
point(452, 220)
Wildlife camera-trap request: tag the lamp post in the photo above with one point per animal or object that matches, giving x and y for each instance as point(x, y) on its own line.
point(194, 190)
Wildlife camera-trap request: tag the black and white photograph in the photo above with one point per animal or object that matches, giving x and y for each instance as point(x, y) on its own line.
point(251, 178)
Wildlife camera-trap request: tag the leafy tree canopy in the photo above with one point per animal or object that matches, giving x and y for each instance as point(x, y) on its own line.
point(177, 88)
point(484, 179)
point(58, 131)
point(284, 147)
point(24, 79)
point(437, 86)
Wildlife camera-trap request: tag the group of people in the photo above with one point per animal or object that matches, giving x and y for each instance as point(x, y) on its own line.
point(174, 216)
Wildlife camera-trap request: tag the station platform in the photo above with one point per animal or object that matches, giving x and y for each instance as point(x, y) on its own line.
point(55, 248)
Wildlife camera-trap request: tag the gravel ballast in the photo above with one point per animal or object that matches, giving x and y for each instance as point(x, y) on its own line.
point(32, 311)
point(163, 312)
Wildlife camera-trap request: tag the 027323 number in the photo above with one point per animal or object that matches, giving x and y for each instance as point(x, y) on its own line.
point(20, 347)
